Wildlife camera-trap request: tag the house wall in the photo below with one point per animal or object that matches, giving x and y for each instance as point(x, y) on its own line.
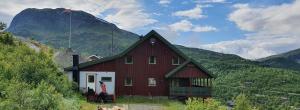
point(140, 70)
point(190, 71)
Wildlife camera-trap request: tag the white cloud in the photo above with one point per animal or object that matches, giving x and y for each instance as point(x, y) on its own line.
point(187, 26)
point(194, 13)
point(210, 1)
point(130, 12)
point(164, 2)
point(274, 29)
point(204, 29)
point(129, 16)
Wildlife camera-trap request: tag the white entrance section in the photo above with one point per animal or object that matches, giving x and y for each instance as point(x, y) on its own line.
point(108, 78)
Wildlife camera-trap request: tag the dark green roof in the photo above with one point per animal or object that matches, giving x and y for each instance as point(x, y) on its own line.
point(152, 33)
point(178, 68)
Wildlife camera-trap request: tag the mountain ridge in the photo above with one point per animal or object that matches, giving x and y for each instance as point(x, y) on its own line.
point(51, 26)
point(286, 60)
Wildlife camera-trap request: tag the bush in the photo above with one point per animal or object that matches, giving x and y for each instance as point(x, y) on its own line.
point(207, 104)
point(29, 79)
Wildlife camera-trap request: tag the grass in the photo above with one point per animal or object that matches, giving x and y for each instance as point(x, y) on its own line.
point(166, 103)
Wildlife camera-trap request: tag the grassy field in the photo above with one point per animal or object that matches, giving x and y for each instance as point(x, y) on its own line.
point(165, 103)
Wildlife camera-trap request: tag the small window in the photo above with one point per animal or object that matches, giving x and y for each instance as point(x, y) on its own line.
point(128, 60)
point(176, 61)
point(91, 79)
point(128, 81)
point(152, 60)
point(151, 82)
point(106, 79)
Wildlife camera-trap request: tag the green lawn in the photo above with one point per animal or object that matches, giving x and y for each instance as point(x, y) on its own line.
point(166, 103)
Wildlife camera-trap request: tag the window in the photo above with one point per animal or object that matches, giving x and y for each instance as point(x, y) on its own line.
point(129, 60)
point(176, 61)
point(128, 81)
point(152, 60)
point(91, 78)
point(151, 82)
point(106, 79)
point(152, 41)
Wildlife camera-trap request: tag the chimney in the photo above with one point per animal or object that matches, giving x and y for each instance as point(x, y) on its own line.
point(141, 37)
point(75, 68)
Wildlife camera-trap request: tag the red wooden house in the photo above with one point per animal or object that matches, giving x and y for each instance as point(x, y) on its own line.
point(150, 67)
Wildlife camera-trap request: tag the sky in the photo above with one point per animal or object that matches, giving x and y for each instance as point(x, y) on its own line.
point(251, 29)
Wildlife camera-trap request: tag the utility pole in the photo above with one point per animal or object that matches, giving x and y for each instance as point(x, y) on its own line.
point(70, 24)
point(112, 41)
point(70, 34)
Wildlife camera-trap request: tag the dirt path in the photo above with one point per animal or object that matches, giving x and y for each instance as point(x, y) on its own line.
point(143, 107)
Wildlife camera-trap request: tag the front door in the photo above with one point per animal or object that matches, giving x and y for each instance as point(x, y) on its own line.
point(91, 81)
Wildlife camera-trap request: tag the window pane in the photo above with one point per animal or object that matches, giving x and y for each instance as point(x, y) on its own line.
point(128, 60)
point(106, 79)
point(151, 82)
point(128, 81)
point(152, 60)
point(91, 78)
point(176, 61)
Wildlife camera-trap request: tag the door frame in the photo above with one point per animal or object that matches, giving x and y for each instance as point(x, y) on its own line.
point(87, 80)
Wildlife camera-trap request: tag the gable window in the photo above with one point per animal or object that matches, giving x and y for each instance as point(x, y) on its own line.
point(128, 81)
point(176, 61)
point(152, 60)
point(128, 60)
point(151, 82)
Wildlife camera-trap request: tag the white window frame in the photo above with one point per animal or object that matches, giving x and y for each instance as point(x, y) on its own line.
point(125, 81)
point(154, 60)
point(178, 63)
point(152, 82)
point(126, 62)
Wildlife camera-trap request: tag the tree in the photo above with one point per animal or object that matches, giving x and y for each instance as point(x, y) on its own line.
point(242, 103)
point(2, 26)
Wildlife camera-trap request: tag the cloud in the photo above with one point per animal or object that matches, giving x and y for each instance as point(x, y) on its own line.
point(131, 10)
point(210, 1)
point(194, 13)
point(274, 29)
point(187, 26)
point(164, 2)
point(129, 16)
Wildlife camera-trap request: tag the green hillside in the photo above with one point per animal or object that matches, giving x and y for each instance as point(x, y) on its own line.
point(269, 88)
point(288, 60)
point(29, 80)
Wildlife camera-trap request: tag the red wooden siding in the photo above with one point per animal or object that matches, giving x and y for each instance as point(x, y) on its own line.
point(141, 70)
point(105, 66)
point(190, 71)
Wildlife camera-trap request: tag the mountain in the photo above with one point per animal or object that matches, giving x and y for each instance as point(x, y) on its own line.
point(288, 60)
point(90, 35)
